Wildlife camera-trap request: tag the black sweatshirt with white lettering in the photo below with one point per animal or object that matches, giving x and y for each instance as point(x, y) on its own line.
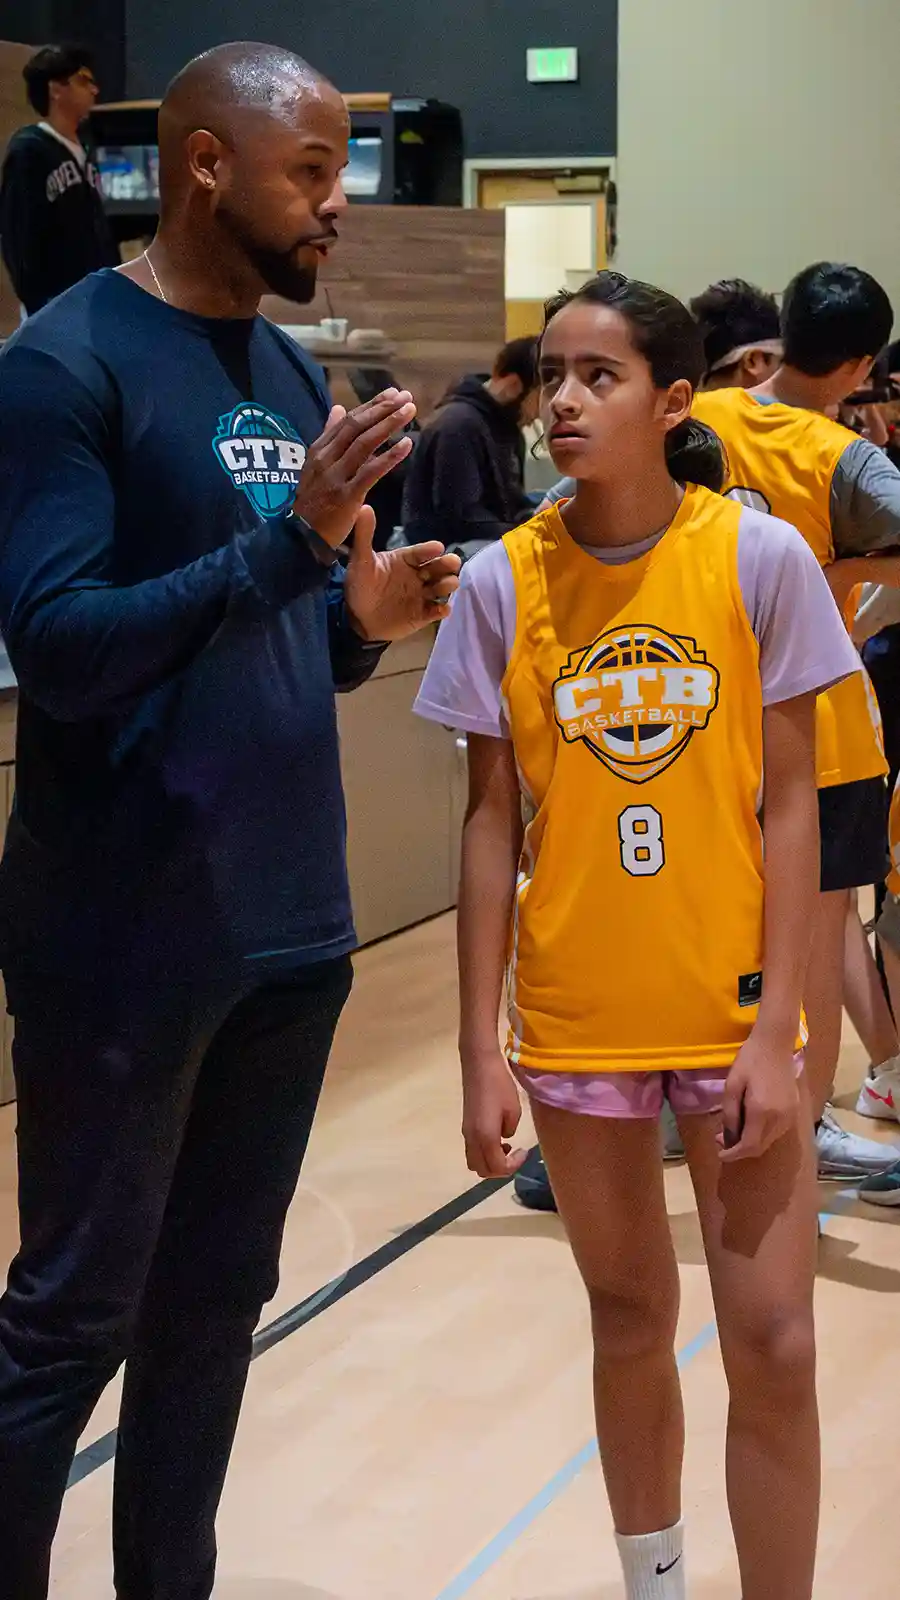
point(53, 230)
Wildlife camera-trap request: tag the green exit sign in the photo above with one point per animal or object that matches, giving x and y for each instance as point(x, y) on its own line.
point(553, 65)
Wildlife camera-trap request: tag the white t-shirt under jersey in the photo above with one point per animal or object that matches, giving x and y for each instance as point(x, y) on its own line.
point(803, 643)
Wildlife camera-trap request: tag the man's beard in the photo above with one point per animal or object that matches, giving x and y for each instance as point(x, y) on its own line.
point(282, 276)
point(278, 269)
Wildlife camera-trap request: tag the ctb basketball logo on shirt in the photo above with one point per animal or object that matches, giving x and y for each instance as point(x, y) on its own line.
point(262, 455)
point(635, 698)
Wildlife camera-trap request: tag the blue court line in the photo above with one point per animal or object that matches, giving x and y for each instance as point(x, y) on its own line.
point(522, 1521)
point(497, 1547)
point(102, 1451)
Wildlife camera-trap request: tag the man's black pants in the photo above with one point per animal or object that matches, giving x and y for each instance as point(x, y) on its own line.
point(160, 1141)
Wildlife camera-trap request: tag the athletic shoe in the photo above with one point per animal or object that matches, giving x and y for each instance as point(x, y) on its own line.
point(842, 1154)
point(880, 1093)
point(532, 1183)
point(672, 1143)
point(883, 1189)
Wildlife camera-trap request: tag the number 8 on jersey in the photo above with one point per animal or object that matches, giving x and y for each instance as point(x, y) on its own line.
point(641, 841)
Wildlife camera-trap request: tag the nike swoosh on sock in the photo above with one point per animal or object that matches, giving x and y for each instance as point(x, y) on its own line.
point(661, 1571)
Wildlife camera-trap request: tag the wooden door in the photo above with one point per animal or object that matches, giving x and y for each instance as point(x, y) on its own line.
point(502, 190)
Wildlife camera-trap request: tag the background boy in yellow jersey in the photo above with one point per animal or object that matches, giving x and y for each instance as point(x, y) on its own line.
point(627, 669)
point(786, 456)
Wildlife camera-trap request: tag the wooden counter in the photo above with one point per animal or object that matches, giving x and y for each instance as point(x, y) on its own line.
point(405, 785)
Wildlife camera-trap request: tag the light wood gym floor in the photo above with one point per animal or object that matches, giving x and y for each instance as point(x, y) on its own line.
point(425, 1433)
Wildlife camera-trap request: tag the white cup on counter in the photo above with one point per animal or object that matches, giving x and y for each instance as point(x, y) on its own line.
point(335, 329)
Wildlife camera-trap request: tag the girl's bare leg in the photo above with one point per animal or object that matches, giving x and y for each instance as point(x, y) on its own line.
point(607, 1179)
point(759, 1229)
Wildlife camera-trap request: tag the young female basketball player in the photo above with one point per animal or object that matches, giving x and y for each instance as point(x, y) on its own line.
point(627, 668)
point(742, 346)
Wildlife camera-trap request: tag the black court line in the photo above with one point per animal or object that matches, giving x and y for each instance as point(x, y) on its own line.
point(96, 1455)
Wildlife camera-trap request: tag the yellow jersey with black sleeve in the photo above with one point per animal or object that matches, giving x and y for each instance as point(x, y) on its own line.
point(782, 459)
point(634, 705)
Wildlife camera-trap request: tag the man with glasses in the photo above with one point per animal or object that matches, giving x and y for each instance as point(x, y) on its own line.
point(53, 230)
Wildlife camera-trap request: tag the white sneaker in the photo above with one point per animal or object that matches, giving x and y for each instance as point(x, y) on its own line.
point(880, 1093)
point(842, 1154)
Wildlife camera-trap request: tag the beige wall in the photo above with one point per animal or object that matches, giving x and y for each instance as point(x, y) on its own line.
point(756, 136)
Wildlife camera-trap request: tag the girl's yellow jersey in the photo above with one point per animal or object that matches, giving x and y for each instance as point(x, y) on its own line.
point(635, 709)
point(782, 459)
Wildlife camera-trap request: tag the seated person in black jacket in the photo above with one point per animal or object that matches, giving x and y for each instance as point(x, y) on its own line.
point(465, 481)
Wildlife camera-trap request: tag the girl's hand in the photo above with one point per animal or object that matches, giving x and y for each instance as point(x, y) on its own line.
point(492, 1111)
point(760, 1101)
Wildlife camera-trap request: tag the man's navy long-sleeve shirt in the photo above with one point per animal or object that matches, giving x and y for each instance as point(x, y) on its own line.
point(177, 643)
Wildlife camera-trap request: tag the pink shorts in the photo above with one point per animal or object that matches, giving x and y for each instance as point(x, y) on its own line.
point(694, 1092)
point(626, 1094)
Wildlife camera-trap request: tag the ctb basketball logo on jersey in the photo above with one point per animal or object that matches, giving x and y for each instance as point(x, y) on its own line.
point(635, 698)
point(262, 455)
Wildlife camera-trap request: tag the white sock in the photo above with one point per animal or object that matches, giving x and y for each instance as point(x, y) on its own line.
point(653, 1564)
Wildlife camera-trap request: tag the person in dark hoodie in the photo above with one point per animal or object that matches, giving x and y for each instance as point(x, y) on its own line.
point(465, 482)
point(53, 229)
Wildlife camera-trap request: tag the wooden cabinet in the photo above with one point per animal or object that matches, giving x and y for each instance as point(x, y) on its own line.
point(400, 777)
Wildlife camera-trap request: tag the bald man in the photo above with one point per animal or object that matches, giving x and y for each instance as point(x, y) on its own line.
point(175, 926)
